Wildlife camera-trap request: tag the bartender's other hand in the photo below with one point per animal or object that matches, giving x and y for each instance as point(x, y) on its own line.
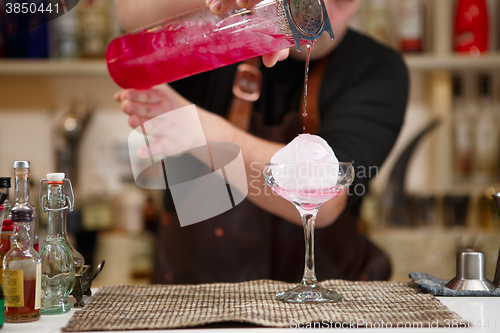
point(168, 135)
point(142, 105)
point(218, 7)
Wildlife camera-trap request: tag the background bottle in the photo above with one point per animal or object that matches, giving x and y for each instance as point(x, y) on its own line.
point(463, 125)
point(471, 30)
point(486, 143)
point(93, 27)
point(22, 188)
point(65, 35)
point(410, 30)
point(21, 272)
point(377, 20)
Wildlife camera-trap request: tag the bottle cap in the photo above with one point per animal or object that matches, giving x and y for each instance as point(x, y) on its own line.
point(5, 182)
point(21, 165)
point(7, 225)
point(22, 215)
point(55, 177)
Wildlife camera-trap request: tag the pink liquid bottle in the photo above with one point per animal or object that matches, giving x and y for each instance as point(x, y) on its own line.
point(200, 41)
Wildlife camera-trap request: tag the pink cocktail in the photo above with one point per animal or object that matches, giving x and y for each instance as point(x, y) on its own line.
point(195, 42)
point(308, 187)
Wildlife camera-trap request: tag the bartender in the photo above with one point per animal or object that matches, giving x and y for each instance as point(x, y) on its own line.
point(361, 97)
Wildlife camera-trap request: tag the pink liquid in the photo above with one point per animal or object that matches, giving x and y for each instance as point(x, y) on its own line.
point(180, 48)
point(308, 199)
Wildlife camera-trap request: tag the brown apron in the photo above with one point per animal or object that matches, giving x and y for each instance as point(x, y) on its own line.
point(247, 243)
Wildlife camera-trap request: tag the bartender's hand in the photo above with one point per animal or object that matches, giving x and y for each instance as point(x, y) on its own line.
point(217, 7)
point(167, 136)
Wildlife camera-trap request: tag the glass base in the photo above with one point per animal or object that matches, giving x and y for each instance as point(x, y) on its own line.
point(52, 307)
point(309, 294)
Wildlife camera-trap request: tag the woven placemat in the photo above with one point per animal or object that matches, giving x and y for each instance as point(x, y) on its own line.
point(364, 304)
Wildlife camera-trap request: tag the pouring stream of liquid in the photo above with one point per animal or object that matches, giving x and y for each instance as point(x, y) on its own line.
point(306, 81)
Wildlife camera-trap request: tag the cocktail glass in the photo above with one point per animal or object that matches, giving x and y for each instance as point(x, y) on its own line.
point(308, 187)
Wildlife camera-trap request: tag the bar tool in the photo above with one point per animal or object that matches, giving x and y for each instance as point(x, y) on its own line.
point(470, 272)
point(83, 283)
point(496, 280)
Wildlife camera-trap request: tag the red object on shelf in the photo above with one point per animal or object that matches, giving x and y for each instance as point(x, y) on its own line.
point(471, 31)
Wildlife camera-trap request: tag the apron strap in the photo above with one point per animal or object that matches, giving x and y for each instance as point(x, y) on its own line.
point(246, 90)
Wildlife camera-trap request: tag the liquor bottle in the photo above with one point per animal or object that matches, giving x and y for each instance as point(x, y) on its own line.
point(114, 27)
point(21, 272)
point(410, 30)
point(22, 190)
point(471, 31)
point(58, 267)
point(463, 132)
point(54, 184)
point(93, 27)
point(486, 144)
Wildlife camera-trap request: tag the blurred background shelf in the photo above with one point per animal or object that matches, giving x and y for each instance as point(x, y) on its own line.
point(97, 67)
point(431, 62)
point(53, 67)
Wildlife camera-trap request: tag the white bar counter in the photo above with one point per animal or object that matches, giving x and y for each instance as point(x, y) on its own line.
point(482, 312)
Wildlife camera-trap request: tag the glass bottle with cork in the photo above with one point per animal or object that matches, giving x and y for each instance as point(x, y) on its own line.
point(22, 272)
point(22, 195)
point(58, 267)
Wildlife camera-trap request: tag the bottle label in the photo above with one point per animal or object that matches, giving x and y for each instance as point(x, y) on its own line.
point(13, 288)
point(38, 287)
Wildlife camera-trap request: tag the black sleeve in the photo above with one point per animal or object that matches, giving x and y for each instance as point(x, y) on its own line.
point(362, 103)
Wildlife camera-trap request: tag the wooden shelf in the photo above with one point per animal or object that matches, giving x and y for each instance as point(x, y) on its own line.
point(452, 62)
point(48, 67)
point(425, 62)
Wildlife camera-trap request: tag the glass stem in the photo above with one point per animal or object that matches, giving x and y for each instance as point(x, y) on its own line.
point(308, 219)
